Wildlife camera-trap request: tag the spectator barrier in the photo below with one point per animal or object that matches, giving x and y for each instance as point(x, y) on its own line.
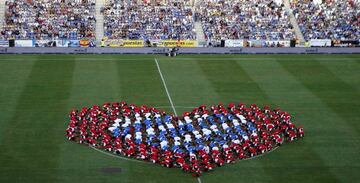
point(98, 50)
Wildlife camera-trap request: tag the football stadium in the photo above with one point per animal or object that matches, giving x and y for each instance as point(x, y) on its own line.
point(187, 91)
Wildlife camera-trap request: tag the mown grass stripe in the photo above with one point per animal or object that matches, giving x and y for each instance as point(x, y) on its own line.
point(230, 82)
point(286, 93)
point(346, 71)
point(189, 84)
point(35, 152)
point(93, 83)
point(141, 84)
point(341, 97)
point(233, 84)
point(329, 136)
point(12, 79)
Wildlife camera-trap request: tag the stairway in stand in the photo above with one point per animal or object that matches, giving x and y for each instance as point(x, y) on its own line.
point(99, 31)
point(294, 23)
point(200, 36)
point(2, 14)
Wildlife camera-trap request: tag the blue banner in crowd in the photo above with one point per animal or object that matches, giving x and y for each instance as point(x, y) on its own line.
point(4, 43)
point(68, 43)
point(74, 43)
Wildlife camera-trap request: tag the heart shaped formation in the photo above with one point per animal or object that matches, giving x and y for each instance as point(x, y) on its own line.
point(197, 141)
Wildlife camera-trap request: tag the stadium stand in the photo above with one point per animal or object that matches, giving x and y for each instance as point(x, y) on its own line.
point(188, 23)
point(330, 19)
point(292, 19)
point(49, 19)
point(99, 19)
point(133, 20)
point(242, 19)
point(2, 13)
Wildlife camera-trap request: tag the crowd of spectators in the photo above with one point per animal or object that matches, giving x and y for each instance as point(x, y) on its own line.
point(49, 19)
point(172, 19)
point(243, 19)
point(328, 19)
point(133, 20)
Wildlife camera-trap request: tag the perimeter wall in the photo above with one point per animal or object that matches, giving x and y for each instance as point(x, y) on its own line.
point(152, 50)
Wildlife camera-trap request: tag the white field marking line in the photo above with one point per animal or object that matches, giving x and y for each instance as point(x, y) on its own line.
point(192, 59)
point(265, 59)
point(117, 156)
point(145, 162)
point(166, 89)
point(258, 156)
point(76, 59)
point(168, 94)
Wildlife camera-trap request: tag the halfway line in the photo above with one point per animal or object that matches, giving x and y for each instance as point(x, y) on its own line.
point(168, 94)
point(166, 89)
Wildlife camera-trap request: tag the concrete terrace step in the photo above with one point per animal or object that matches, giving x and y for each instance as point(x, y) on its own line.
point(2, 13)
point(293, 21)
point(99, 31)
point(200, 36)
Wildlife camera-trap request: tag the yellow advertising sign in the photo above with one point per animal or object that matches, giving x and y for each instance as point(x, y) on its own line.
point(140, 43)
point(181, 43)
point(125, 43)
point(133, 43)
point(114, 43)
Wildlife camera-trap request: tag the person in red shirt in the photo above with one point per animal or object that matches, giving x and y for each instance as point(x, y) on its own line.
point(83, 136)
point(246, 145)
point(241, 154)
point(195, 168)
point(292, 135)
point(300, 131)
point(237, 148)
point(91, 141)
point(154, 154)
point(229, 157)
point(166, 161)
point(70, 134)
point(118, 148)
point(279, 140)
point(262, 148)
point(185, 167)
point(208, 166)
point(129, 151)
point(142, 152)
point(268, 145)
point(108, 147)
point(167, 158)
point(226, 149)
point(252, 151)
point(180, 161)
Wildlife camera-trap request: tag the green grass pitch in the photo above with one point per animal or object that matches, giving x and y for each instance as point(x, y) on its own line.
point(38, 91)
